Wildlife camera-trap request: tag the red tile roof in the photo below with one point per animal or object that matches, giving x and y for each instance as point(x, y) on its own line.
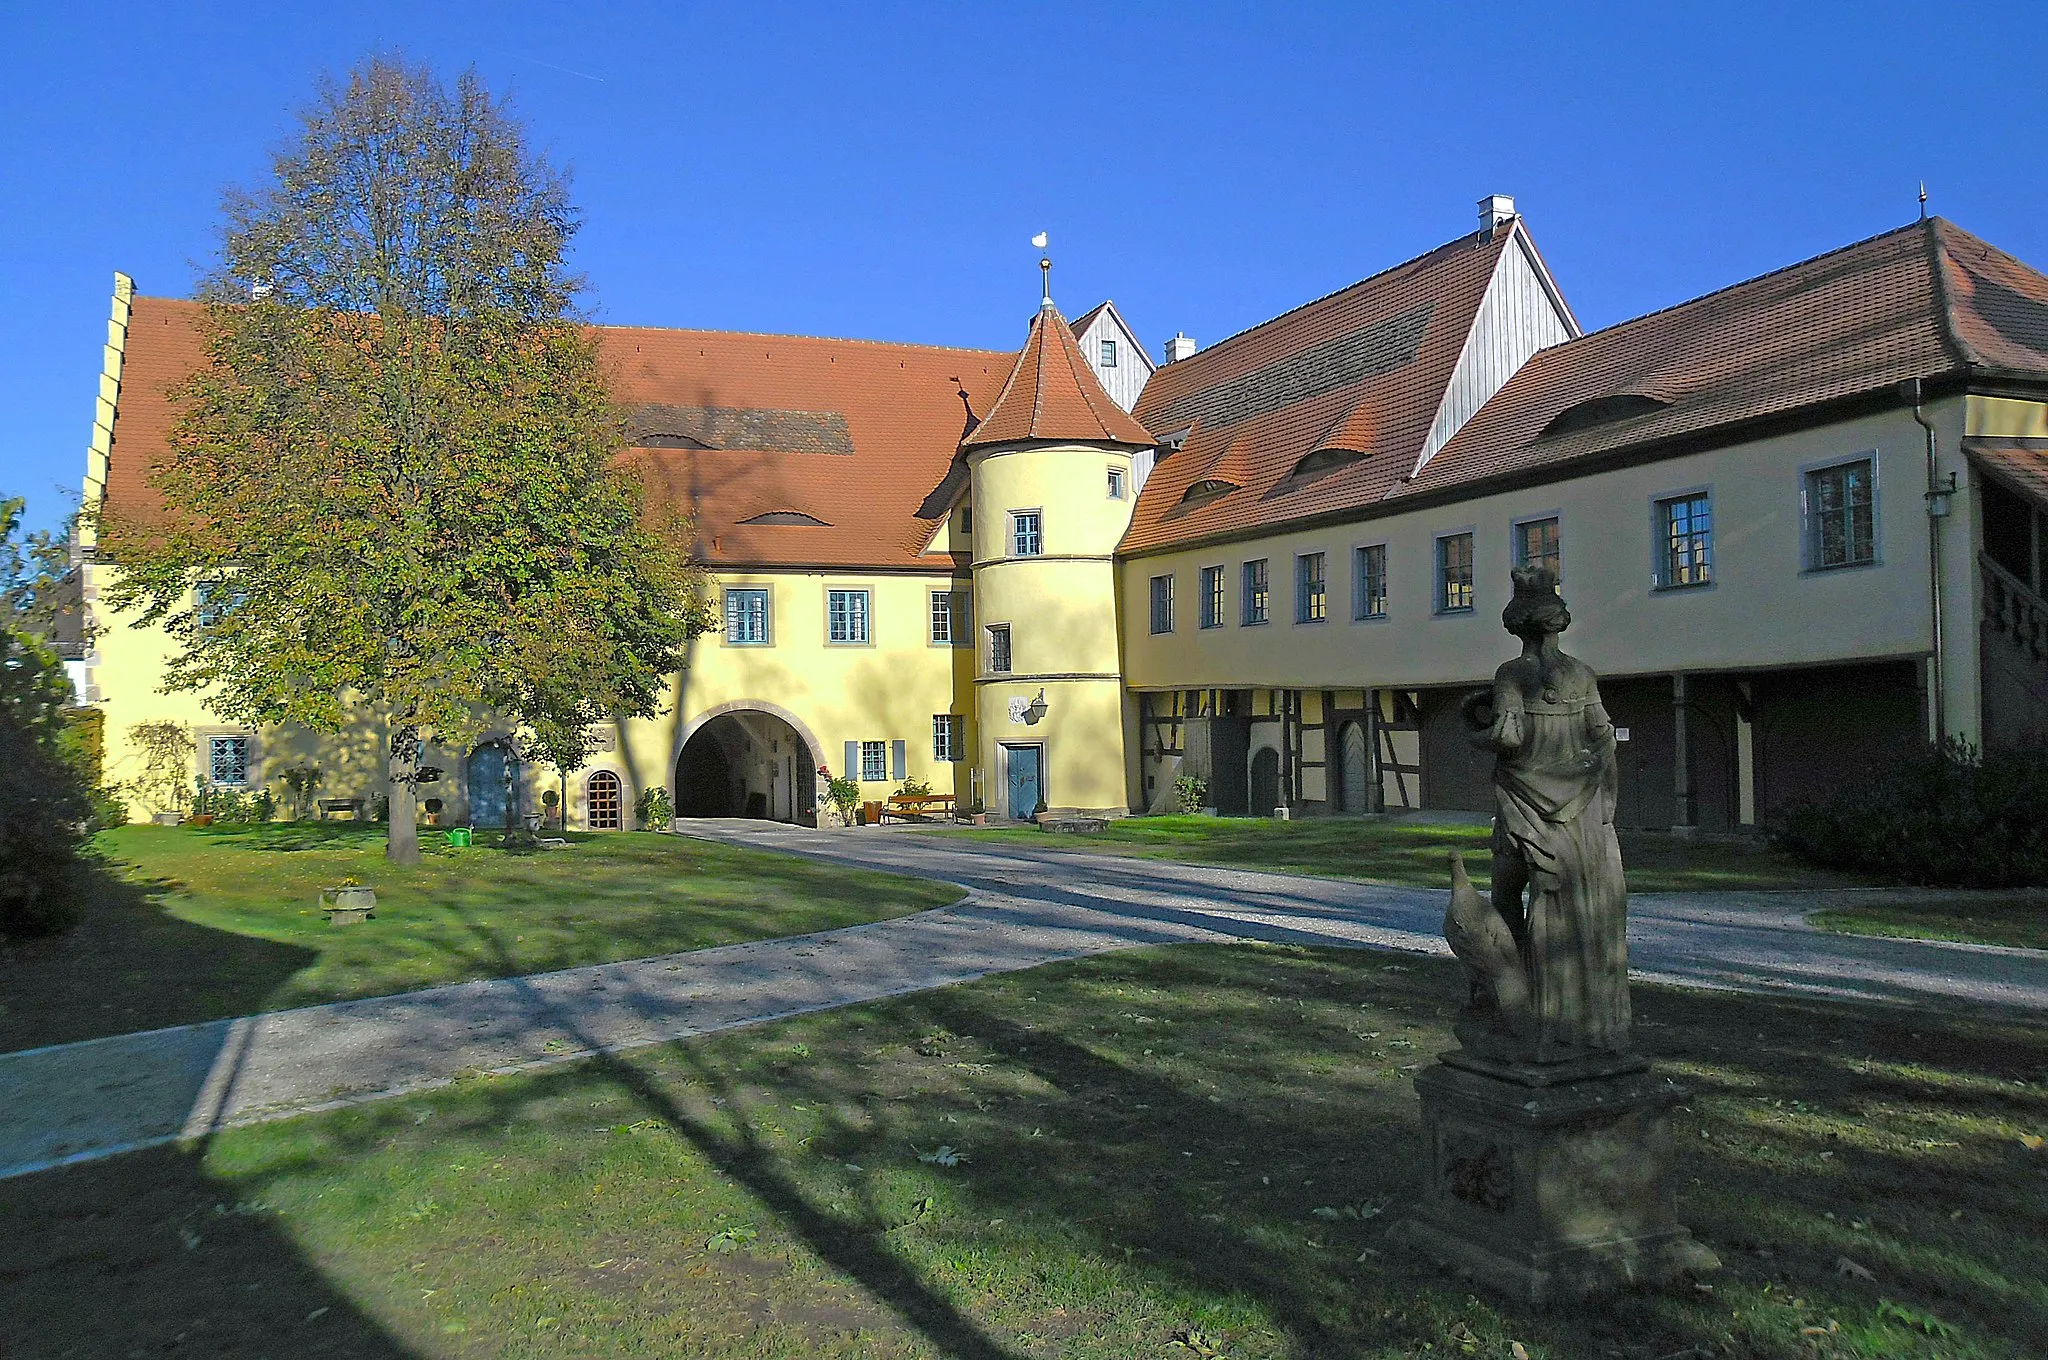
point(1924, 301)
point(853, 433)
point(1360, 372)
point(2021, 464)
point(1052, 393)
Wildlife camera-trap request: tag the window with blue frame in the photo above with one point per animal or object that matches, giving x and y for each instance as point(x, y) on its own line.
point(846, 614)
point(1311, 589)
point(746, 617)
point(1369, 589)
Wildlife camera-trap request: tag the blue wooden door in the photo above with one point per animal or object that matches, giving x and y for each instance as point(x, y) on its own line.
point(491, 772)
point(1024, 782)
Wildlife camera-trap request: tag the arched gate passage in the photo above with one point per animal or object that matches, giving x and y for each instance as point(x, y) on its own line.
point(746, 762)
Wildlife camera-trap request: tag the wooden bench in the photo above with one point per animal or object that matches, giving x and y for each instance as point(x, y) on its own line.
point(352, 806)
point(917, 807)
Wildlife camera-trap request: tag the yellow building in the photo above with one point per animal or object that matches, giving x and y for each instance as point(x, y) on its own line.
point(831, 494)
point(1800, 522)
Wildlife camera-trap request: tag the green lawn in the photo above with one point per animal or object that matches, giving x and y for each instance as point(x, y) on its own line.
point(190, 924)
point(2019, 920)
point(1183, 1152)
point(1403, 852)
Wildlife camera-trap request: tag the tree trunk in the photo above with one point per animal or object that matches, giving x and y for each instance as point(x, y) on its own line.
point(402, 834)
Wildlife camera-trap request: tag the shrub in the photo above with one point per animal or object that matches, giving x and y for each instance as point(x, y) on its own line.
point(45, 805)
point(301, 782)
point(842, 793)
point(1944, 816)
point(915, 788)
point(654, 809)
point(1191, 792)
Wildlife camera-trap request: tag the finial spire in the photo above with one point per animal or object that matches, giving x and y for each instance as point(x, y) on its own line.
point(1044, 271)
point(1923, 200)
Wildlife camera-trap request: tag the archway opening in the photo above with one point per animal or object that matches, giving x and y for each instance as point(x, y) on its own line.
point(604, 802)
point(747, 763)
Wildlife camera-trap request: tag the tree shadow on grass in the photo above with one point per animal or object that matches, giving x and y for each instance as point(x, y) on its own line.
point(130, 965)
point(1210, 1186)
point(148, 1254)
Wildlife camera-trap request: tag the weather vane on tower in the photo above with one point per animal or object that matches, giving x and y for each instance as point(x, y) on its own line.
point(1044, 270)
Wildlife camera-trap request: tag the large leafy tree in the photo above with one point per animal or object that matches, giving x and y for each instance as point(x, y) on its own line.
point(394, 487)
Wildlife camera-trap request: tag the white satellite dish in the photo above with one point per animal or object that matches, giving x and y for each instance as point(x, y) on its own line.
point(1039, 240)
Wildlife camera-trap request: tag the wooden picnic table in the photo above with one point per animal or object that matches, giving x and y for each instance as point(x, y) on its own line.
point(906, 807)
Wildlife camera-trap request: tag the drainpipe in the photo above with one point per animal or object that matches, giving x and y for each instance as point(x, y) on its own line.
point(1937, 496)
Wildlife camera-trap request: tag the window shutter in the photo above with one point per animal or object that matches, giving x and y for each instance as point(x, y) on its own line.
point(851, 770)
point(897, 757)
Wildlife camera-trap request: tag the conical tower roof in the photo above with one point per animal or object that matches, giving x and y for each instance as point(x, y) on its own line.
point(1053, 394)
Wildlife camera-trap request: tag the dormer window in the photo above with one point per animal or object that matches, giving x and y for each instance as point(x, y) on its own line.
point(1325, 460)
point(786, 517)
point(1206, 488)
point(1605, 410)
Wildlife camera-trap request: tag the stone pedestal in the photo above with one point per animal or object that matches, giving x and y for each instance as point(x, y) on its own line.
point(1551, 1181)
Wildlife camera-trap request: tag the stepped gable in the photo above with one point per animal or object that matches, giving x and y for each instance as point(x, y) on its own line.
point(828, 447)
point(1359, 374)
point(1052, 394)
point(1925, 301)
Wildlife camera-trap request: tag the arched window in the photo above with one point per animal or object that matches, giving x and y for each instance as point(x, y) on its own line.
point(604, 802)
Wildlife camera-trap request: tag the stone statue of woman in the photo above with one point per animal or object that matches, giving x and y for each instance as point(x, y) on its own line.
point(1548, 957)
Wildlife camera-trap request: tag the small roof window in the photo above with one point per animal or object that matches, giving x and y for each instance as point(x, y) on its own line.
point(1326, 460)
point(1605, 410)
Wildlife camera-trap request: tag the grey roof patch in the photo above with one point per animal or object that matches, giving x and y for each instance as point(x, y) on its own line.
point(1342, 361)
point(738, 429)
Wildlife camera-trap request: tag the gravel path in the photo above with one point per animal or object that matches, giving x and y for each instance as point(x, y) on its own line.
point(76, 1102)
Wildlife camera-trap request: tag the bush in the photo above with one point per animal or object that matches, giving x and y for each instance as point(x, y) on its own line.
point(654, 809)
point(45, 804)
point(1191, 792)
point(842, 793)
point(1943, 816)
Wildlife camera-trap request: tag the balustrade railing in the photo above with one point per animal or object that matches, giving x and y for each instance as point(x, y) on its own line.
point(2014, 612)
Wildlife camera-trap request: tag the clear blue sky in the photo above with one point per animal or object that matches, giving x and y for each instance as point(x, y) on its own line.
point(877, 170)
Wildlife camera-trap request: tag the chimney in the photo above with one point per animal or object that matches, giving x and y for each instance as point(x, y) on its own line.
point(1178, 348)
point(1495, 212)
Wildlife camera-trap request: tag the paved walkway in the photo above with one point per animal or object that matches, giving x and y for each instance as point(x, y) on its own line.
point(75, 1102)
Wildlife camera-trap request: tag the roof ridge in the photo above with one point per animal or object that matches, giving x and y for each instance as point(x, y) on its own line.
point(1204, 355)
point(1741, 283)
point(1944, 294)
point(616, 328)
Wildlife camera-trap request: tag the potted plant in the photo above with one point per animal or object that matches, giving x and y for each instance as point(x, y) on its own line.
point(843, 794)
point(549, 799)
point(432, 807)
point(976, 813)
point(348, 902)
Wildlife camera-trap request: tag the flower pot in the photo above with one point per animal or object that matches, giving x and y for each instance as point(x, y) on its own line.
point(978, 818)
point(202, 819)
point(347, 906)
